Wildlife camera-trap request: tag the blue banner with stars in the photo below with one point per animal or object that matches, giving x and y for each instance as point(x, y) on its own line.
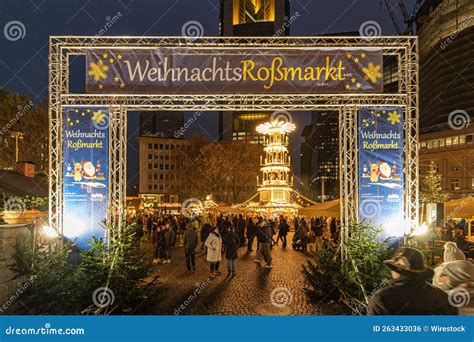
point(85, 137)
point(228, 71)
point(381, 168)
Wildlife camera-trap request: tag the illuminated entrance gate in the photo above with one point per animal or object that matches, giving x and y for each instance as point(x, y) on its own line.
point(403, 49)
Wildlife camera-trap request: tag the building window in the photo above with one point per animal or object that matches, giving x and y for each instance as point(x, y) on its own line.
point(462, 139)
point(441, 142)
point(472, 183)
point(150, 166)
point(455, 184)
point(150, 146)
point(251, 11)
point(448, 141)
point(469, 138)
point(423, 144)
point(455, 140)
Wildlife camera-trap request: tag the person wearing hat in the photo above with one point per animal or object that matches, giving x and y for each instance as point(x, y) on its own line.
point(457, 280)
point(451, 253)
point(409, 292)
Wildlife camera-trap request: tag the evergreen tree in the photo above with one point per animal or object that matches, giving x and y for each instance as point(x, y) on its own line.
point(431, 191)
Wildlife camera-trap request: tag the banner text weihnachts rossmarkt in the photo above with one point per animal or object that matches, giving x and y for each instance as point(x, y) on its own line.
point(229, 71)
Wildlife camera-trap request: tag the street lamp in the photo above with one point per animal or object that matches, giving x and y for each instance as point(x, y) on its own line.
point(18, 136)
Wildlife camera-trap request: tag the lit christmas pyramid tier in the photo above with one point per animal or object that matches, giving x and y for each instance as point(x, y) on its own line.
point(275, 186)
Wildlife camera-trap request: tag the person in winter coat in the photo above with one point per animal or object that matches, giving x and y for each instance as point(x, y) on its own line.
point(300, 239)
point(409, 292)
point(317, 229)
point(333, 229)
point(241, 230)
point(451, 253)
point(251, 232)
point(264, 236)
point(205, 231)
point(190, 243)
point(149, 226)
point(214, 252)
point(457, 280)
point(283, 229)
point(232, 243)
point(158, 240)
point(170, 240)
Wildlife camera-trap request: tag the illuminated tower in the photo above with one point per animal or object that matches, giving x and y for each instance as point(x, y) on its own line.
point(250, 18)
point(275, 186)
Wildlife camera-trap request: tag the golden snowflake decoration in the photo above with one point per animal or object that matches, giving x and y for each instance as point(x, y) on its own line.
point(372, 72)
point(98, 70)
point(99, 117)
point(393, 117)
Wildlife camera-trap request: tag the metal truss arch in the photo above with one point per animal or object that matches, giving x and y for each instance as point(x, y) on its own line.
point(404, 48)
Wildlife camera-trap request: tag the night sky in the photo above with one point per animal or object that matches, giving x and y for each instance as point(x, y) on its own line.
point(24, 62)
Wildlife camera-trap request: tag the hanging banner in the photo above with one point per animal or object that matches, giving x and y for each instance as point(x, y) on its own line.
point(381, 168)
point(85, 172)
point(233, 70)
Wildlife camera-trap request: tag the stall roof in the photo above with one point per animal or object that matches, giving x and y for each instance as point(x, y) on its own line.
point(330, 208)
point(13, 183)
point(461, 208)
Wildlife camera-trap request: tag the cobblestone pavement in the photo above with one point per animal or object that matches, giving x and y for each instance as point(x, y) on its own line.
point(253, 291)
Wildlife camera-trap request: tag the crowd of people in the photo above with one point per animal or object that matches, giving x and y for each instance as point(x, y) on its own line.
point(455, 232)
point(414, 288)
point(221, 236)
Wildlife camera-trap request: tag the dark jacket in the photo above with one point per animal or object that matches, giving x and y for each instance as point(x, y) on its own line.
point(149, 223)
point(264, 234)
point(317, 227)
point(205, 231)
point(170, 238)
point(283, 228)
point(251, 229)
point(241, 225)
point(190, 240)
point(158, 239)
point(405, 296)
point(231, 242)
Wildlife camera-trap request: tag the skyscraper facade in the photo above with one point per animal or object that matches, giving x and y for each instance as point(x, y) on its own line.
point(250, 18)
